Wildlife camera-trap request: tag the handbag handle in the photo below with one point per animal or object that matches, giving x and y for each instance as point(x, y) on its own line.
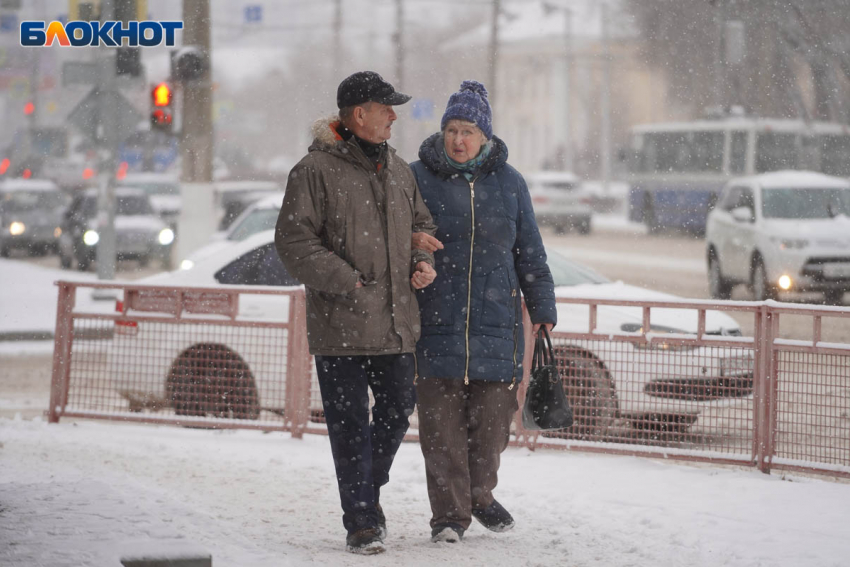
point(544, 354)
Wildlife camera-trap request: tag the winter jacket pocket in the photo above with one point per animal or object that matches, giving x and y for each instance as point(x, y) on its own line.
point(356, 318)
point(497, 309)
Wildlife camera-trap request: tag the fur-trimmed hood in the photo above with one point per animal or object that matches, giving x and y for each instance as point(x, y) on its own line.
point(324, 133)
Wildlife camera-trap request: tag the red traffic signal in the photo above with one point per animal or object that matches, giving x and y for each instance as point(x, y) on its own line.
point(161, 95)
point(29, 108)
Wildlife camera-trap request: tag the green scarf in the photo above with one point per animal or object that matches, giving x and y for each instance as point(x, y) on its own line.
point(470, 168)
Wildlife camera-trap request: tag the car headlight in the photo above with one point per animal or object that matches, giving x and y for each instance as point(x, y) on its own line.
point(790, 243)
point(187, 264)
point(785, 282)
point(91, 237)
point(166, 236)
point(17, 228)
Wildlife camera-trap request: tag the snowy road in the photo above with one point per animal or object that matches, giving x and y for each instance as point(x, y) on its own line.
point(75, 493)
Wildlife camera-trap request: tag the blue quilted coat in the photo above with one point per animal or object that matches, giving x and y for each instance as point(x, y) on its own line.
point(472, 314)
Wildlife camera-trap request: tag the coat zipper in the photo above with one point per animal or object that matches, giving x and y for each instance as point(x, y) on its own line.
point(415, 368)
point(469, 282)
point(516, 327)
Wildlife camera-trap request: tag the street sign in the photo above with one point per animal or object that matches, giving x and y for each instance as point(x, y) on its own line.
point(253, 14)
point(88, 115)
point(422, 109)
point(79, 73)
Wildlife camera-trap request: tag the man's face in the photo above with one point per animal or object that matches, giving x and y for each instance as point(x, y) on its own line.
point(375, 122)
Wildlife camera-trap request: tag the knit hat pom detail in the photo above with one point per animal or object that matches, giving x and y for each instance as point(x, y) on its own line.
point(474, 86)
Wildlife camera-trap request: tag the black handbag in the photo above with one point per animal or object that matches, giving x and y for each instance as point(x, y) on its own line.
point(546, 407)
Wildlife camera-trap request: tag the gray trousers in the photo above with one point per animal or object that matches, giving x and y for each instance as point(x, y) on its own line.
point(463, 430)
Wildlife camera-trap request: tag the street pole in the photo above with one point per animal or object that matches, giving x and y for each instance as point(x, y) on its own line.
point(493, 62)
point(606, 103)
point(198, 216)
point(107, 134)
point(337, 39)
point(399, 44)
point(568, 65)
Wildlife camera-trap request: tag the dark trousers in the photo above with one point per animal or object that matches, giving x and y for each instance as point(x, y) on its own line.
point(463, 430)
point(363, 451)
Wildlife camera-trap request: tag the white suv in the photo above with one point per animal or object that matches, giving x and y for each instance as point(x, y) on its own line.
point(781, 231)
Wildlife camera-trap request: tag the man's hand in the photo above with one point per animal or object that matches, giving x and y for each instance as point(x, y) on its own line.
point(423, 276)
point(537, 326)
point(426, 242)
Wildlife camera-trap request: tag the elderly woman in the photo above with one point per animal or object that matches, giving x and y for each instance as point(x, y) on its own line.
point(470, 355)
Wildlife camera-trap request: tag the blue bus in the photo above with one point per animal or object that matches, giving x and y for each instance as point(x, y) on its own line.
point(676, 170)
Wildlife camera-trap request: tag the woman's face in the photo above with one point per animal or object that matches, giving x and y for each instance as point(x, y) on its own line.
point(463, 140)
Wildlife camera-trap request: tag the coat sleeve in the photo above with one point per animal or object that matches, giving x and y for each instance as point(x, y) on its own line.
point(298, 235)
point(422, 222)
point(535, 278)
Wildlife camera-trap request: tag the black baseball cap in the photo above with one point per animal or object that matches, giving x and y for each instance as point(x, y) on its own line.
point(367, 86)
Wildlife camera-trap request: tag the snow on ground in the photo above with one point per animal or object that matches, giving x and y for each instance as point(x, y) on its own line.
point(28, 297)
point(78, 493)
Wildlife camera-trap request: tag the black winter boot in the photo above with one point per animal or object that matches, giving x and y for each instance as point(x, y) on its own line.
point(494, 517)
point(365, 542)
point(382, 521)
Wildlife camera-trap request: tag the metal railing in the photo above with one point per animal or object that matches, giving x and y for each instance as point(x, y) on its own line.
point(671, 379)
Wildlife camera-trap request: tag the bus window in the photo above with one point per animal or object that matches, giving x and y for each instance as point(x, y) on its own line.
point(775, 151)
point(681, 152)
point(835, 155)
point(738, 152)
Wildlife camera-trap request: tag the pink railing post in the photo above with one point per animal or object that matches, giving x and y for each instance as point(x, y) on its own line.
point(298, 367)
point(62, 340)
point(764, 388)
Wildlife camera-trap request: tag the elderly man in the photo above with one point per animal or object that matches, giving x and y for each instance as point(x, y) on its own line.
point(344, 230)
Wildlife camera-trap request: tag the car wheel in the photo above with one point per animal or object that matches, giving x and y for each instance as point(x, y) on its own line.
point(83, 264)
point(762, 288)
point(64, 261)
point(590, 390)
point(649, 216)
point(584, 227)
point(561, 229)
point(718, 286)
point(144, 261)
point(212, 380)
point(833, 297)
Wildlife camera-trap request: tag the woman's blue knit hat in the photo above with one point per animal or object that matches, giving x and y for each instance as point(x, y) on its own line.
point(470, 103)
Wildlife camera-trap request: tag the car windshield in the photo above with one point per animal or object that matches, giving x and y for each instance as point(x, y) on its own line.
point(257, 221)
point(567, 273)
point(805, 203)
point(131, 206)
point(155, 188)
point(23, 201)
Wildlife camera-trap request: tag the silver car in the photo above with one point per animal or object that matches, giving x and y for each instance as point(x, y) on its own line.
point(559, 202)
point(30, 215)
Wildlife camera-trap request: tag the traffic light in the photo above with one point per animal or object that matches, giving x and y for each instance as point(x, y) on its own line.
point(161, 108)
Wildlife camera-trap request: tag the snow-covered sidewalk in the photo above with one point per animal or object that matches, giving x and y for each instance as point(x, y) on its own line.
point(78, 493)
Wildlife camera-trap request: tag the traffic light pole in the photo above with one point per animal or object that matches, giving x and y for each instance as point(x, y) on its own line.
point(197, 219)
point(106, 249)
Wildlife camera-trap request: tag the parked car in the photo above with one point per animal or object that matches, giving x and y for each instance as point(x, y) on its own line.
point(233, 197)
point(559, 201)
point(650, 385)
point(258, 217)
point(781, 231)
point(139, 232)
point(30, 215)
point(163, 190)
